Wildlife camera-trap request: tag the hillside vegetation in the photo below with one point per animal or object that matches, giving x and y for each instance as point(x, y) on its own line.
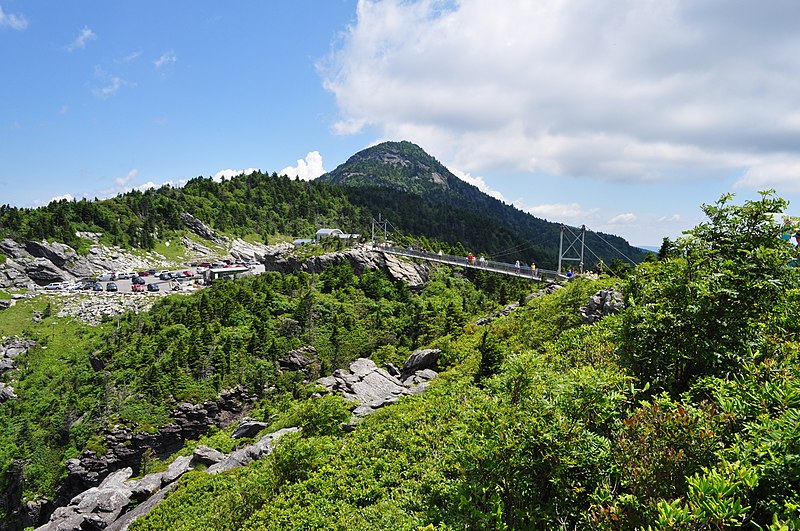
point(679, 413)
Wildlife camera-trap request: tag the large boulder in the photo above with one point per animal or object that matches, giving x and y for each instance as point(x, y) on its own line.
point(371, 387)
point(301, 360)
point(58, 253)
point(43, 271)
point(248, 428)
point(420, 360)
point(603, 303)
point(6, 392)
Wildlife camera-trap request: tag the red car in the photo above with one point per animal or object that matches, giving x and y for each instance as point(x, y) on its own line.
point(137, 287)
point(144, 273)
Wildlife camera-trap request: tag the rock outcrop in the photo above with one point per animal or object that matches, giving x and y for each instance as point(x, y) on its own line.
point(603, 303)
point(301, 360)
point(9, 350)
point(372, 387)
point(126, 448)
point(104, 305)
point(361, 259)
point(118, 500)
point(202, 230)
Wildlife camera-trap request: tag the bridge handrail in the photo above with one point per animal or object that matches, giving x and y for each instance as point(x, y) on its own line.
point(524, 271)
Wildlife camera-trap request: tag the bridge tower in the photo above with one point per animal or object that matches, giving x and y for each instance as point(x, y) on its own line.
point(575, 246)
point(380, 224)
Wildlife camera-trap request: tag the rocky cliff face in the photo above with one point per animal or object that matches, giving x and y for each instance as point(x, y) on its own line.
point(361, 259)
point(35, 264)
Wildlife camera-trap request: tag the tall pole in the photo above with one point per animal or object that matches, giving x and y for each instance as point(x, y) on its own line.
point(560, 248)
point(583, 237)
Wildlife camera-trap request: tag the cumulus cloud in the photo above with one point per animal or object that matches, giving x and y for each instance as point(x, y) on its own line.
point(10, 20)
point(307, 169)
point(227, 174)
point(633, 90)
point(479, 183)
point(68, 197)
point(165, 59)
point(82, 39)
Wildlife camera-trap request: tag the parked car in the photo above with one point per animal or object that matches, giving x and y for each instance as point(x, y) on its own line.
point(165, 275)
point(138, 280)
point(97, 287)
point(54, 286)
point(144, 273)
point(107, 276)
point(151, 271)
point(111, 287)
point(137, 287)
point(152, 287)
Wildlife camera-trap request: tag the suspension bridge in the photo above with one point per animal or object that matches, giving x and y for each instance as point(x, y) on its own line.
point(571, 249)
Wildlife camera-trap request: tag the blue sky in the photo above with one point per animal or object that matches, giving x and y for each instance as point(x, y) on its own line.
point(625, 116)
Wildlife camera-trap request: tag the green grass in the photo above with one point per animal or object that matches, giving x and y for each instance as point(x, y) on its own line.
point(171, 248)
point(253, 238)
point(17, 319)
point(280, 238)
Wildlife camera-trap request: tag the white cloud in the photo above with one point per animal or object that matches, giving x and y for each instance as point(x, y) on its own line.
point(17, 22)
point(150, 184)
point(623, 219)
point(130, 57)
point(781, 172)
point(307, 169)
point(68, 197)
point(228, 174)
point(110, 84)
point(633, 90)
point(479, 183)
point(564, 212)
point(82, 39)
point(122, 181)
point(669, 219)
point(165, 59)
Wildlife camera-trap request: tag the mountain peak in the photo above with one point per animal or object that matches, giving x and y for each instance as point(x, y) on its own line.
point(401, 165)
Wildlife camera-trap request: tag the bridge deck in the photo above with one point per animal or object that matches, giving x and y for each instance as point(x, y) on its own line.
point(524, 271)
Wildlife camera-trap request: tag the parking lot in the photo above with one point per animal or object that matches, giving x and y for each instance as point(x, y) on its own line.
point(154, 282)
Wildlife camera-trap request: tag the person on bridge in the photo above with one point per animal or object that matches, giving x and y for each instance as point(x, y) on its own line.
point(482, 261)
point(471, 259)
point(533, 269)
point(516, 267)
